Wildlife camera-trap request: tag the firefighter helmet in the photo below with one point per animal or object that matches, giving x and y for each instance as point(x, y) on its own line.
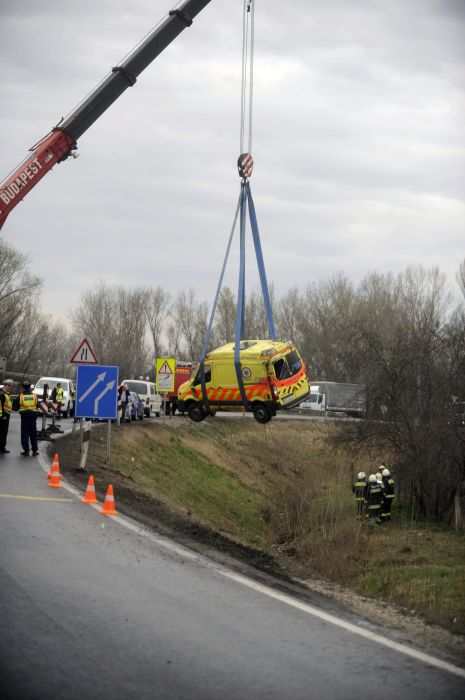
point(372, 478)
point(386, 472)
point(361, 475)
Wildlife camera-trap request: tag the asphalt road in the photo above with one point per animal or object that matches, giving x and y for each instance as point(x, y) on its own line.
point(96, 607)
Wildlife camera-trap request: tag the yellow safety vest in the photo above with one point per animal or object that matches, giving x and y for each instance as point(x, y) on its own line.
point(8, 404)
point(27, 403)
point(59, 394)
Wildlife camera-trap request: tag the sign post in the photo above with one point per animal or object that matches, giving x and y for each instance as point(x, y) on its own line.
point(85, 444)
point(83, 355)
point(165, 372)
point(97, 394)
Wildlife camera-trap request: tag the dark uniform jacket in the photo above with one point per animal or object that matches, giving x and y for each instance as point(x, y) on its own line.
point(388, 484)
point(374, 495)
point(360, 489)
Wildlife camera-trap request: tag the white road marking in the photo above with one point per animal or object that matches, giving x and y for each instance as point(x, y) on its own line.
point(271, 592)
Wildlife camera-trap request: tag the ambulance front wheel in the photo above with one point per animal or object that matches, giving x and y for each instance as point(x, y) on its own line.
point(196, 412)
point(261, 413)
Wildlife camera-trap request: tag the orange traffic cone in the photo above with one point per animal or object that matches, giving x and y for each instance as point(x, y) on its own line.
point(109, 503)
point(54, 482)
point(55, 466)
point(89, 496)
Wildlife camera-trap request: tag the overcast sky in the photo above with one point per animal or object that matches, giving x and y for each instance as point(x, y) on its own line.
point(359, 142)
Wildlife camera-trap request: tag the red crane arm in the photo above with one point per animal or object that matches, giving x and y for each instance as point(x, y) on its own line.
point(54, 148)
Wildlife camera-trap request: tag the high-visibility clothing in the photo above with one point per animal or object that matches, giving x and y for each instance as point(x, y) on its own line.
point(359, 488)
point(1, 409)
point(8, 404)
point(27, 403)
point(59, 394)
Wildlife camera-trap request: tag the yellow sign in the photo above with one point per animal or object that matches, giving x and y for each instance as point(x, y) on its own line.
point(166, 369)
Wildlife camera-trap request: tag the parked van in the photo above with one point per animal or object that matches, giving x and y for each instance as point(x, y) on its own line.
point(273, 374)
point(69, 392)
point(146, 391)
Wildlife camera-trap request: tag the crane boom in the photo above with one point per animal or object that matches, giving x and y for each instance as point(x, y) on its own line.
point(62, 140)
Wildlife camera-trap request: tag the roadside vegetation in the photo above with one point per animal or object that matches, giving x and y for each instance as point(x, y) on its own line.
point(285, 489)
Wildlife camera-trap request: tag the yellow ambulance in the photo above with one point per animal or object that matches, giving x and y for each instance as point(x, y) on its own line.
point(273, 376)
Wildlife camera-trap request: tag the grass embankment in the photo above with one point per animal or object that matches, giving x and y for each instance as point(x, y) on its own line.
point(284, 488)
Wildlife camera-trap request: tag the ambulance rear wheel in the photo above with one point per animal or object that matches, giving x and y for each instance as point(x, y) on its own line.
point(261, 413)
point(196, 412)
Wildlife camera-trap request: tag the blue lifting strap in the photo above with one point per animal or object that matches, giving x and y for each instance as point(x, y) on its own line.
point(213, 312)
point(240, 309)
point(260, 263)
point(245, 201)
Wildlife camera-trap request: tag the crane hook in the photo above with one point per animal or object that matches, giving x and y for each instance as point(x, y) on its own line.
point(245, 165)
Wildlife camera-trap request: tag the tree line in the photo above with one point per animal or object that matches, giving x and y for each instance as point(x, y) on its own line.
point(402, 335)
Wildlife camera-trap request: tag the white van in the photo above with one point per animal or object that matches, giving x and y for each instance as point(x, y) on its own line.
point(69, 392)
point(147, 394)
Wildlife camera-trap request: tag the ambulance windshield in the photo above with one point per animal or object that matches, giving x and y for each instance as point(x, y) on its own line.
point(294, 362)
point(287, 366)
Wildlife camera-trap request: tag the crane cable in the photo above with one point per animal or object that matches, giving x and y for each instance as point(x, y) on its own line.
point(248, 41)
point(245, 165)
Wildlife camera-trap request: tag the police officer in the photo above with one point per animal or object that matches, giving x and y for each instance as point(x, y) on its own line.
point(6, 407)
point(28, 413)
point(374, 499)
point(388, 495)
point(58, 398)
point(360, 488)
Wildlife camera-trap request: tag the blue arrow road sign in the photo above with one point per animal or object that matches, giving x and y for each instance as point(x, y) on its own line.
point(96, 391)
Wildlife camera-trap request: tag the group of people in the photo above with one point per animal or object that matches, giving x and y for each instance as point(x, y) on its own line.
point(27, 405)
point(53, 400)
point(374, 495)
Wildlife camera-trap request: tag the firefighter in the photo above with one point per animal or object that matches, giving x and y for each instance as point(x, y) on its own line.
point(388, 495)
point(6, 407)
point(374, 499)
point(359, 488)
point(28, 413)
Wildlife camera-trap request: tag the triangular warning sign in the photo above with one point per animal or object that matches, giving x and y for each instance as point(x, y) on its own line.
point(84, 355)
point(165, 369)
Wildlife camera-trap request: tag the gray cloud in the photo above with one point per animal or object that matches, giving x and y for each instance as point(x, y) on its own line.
point(358, 140)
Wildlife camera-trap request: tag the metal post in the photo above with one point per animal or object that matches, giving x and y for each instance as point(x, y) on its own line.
point(81, 425)
point(108, 441)
point(85, 444)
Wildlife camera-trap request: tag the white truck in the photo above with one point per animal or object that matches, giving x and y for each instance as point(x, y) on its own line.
point(336, 397)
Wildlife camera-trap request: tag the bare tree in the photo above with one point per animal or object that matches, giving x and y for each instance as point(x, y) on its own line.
point(157, 310)
point(406, 347)
point(115, 321)
point(225, 318)
point(461, 276)
point(19, 311)
point(189, 324)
